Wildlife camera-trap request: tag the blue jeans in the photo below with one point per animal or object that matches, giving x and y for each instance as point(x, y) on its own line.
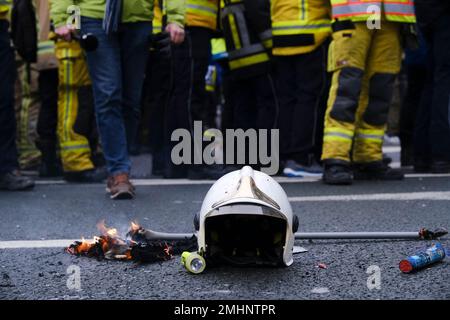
point(8, 150)
point(117, 70)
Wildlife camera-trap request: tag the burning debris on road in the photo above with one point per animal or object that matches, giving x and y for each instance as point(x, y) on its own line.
point(136, 247)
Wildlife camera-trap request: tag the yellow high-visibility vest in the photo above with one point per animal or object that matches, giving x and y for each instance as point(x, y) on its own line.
point(361, 10)
point(245, 50)
point(202, 13)
point(299, 26)
point(4, 8)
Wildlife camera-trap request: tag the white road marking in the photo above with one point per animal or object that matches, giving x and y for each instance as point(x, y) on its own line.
point(181, 182)
point(320, 290)
point(431, 195)
point(32, 244)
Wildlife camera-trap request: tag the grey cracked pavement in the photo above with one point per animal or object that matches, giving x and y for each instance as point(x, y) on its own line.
point(69, 211)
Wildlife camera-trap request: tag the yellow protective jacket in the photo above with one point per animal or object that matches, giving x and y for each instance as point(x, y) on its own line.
point(133, 10)
point(247, 56)
point(202, 13)
point(299, 26)
point(4, 9)
point(392, 10)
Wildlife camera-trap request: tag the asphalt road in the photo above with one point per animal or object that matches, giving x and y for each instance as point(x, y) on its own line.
point(69, 211)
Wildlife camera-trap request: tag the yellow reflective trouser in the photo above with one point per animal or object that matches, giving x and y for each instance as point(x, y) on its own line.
point(27, 113)
point(364, 63)
point(73, 74)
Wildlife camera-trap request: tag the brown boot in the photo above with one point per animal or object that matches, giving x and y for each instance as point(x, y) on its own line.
point(120, 187)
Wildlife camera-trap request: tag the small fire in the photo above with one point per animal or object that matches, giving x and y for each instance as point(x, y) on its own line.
point(109, 245)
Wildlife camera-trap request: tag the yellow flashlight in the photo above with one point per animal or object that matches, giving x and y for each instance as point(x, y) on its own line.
point(193, 262)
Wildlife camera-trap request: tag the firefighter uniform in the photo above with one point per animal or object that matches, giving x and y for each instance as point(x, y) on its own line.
point(250, 91)
point(75, 118)
point(27, 112)
point(47, 65)
point(35, 86)
point(246, 39)
point(364, 62)
point(301, 31)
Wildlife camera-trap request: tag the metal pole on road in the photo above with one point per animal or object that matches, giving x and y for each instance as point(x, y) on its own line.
point(421, 234)
point(356, 235)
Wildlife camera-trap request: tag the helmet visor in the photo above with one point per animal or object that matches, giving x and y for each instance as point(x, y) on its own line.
point(245, 234)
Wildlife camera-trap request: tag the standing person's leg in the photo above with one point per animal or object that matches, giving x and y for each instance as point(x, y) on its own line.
point(106, 74)
point(28, 105)
point(201, 52)
point(285, 86)
point(266, 117)
point(245, 117)
point(177, 112)
point(440, 117)
point(383, 65)
point(266, 102)
point(310, 85)
point(156, 91)
point(76, 153)
point(421, 134)
point(134, 51)
point(416, 75)
point(105, 69)
point(47, 123)
point(9, 178)
point(347, 60)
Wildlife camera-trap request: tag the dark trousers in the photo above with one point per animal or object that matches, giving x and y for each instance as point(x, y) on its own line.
point(154, 101)
point(432, 134)
point(302, 87)
point(416, 75)
point(251, 104)
point(48, 114)
point(187, 102)
point(254, 102)
point(190, 64)
point(8, 150)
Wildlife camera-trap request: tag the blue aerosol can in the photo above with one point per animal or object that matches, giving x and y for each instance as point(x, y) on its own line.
point(422, 259)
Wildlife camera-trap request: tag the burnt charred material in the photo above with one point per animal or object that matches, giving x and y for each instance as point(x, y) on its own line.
point(138, 249)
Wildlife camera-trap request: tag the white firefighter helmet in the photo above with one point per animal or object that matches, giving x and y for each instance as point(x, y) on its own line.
point(246, 219)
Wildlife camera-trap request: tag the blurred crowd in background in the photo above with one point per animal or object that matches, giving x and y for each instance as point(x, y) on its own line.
point(336, 77)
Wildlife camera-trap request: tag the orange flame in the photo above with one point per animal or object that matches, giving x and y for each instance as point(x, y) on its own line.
point(134, 226)
point(105, 231)
point(111, 244)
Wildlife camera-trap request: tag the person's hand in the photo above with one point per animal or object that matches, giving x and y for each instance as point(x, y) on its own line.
point(176, 33)
point(64, 32)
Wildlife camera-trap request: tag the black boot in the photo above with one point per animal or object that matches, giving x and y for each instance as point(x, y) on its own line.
point(337, 172)
point(376, 170)
point(14, 181)
point(86, 176)
point(50, 165)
